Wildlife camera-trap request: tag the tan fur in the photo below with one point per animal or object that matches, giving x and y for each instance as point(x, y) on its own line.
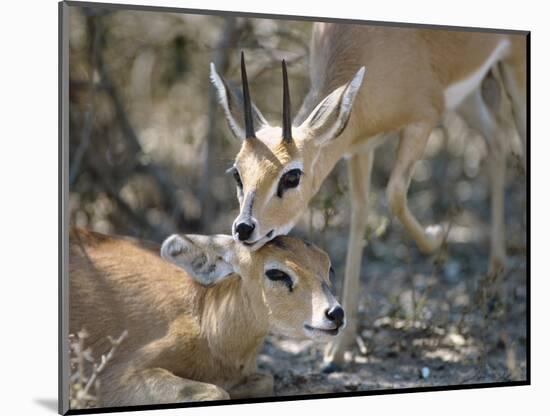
point(412, 76)
point(186, 342)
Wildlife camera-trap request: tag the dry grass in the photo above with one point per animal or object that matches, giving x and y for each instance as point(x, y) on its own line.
point(85, 369)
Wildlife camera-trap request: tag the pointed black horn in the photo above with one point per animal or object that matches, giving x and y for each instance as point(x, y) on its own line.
point(287, 123)
point(248, 121)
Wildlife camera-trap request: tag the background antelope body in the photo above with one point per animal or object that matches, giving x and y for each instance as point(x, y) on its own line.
point(393, 149)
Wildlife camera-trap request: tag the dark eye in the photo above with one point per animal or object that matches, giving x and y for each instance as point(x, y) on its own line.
point(279, 276)
point(290, 179)
point(237, 178)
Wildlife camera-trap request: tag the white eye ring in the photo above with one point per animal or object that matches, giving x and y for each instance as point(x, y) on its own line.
point(295, 164)
point(273, 265)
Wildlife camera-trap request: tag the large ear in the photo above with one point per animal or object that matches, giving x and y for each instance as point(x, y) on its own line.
point(207, 259)
point(232, 103)
point(329, 119)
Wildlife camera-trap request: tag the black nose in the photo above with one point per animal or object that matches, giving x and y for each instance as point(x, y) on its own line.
point(336, 315)
point(244, 230)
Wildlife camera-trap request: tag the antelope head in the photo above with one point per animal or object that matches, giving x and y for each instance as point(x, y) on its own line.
point(275, 168)
point(286, 281)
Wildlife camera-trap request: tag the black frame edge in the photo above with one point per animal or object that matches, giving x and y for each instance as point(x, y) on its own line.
point(63, 192)
point(528, 208)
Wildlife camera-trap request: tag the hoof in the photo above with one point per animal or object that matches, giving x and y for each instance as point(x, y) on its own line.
point(497, 266)
point(434, 239)
point(329, 368)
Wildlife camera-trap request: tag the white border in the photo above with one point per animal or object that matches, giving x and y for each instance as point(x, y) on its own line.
point(28, 219)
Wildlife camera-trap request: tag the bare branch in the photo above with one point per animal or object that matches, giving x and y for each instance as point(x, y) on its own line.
point(104, 360)
point(161, 177)
point(227, 37)
point(74, 166)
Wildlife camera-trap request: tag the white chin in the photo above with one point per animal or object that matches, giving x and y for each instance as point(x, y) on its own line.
point(320, 334)
point(257, 244)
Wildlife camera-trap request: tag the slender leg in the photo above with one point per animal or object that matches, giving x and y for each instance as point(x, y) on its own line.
point(155, 386)
point(410, 149)
point(497, 166)
point(359, 170)
point(513, 77)
point(255, 385)
point(480, 113)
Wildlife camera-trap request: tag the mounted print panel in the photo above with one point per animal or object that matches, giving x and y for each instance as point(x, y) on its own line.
point(266, 208)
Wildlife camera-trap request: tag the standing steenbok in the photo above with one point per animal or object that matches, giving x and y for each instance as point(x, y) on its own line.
point(194, 334)
point(413, 77)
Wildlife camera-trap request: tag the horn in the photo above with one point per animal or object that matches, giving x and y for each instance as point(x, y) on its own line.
point(287, 123)
point(248, 121)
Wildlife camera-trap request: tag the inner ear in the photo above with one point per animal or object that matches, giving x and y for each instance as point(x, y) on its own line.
point(330, 117)
point(231, 100)
point(207, 259)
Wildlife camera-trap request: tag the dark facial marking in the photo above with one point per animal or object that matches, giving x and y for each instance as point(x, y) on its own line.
point(237, 178)
point(233, 171)
point(247, 205)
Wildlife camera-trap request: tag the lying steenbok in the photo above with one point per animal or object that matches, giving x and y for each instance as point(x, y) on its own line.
point(194, 326)
point(413, 77)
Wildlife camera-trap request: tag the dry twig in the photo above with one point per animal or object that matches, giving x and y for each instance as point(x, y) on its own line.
point(83, 388)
